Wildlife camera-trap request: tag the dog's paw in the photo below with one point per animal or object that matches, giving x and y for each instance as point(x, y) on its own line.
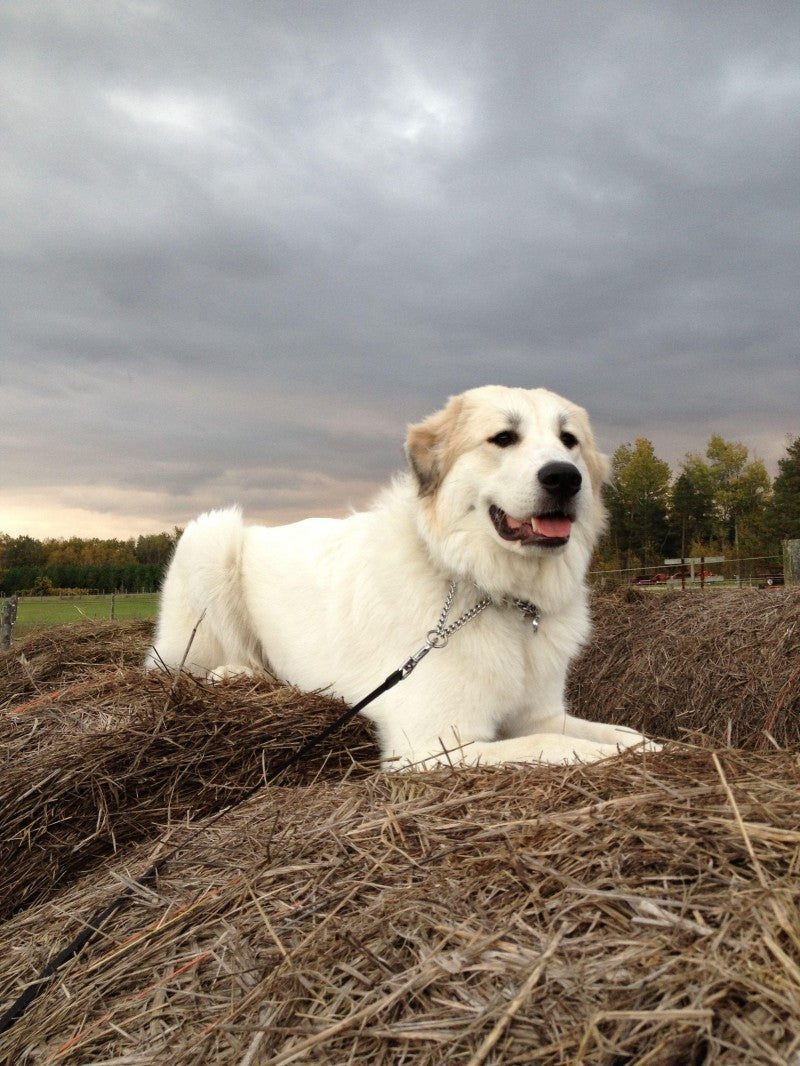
point(630, 738)
point(583, 751)
point(651, 745)
point(229, 671)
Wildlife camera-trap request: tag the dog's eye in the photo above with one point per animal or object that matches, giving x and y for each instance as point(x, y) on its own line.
point(505, 438)
point(569, 440)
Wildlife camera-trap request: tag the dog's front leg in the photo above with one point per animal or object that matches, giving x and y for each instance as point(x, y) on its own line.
point(547, 748)
point(596, 732)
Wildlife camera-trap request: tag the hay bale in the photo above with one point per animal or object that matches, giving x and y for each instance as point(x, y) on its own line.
point(621, 912)
point(717, 668)
point(111, 753)
point(70, 653)
point(637, 910)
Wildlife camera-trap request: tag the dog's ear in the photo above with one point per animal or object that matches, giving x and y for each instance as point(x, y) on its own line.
point(599, 468)
point(599, 465)
point(428, 446)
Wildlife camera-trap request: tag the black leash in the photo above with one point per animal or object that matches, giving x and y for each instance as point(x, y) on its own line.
point(436, 638)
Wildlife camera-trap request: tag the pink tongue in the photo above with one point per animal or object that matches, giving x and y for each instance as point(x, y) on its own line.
point(553, 527)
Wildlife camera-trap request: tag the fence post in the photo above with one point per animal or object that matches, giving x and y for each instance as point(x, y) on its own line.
point(9, 617)
point(791, 562)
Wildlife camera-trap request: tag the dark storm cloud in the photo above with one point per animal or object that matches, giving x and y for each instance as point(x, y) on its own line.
point(244, 244)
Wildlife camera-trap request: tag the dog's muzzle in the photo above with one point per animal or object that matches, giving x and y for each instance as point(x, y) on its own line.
point(551, 526)
point(551, 529)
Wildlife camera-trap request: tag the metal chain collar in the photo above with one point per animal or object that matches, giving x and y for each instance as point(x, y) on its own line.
point(438, 637)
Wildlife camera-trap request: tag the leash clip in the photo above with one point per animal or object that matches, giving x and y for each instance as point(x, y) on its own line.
point(434, 639)
point(410, 663)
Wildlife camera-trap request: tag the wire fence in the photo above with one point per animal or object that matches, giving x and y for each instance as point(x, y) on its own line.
point(754, 571)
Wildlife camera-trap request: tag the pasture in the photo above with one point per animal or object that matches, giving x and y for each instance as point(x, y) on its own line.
point(640, 910)
point(36, 611)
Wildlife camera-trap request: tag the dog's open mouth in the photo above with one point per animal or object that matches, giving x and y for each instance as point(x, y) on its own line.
point(551, 530)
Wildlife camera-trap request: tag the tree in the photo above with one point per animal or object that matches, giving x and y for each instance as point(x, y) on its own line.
point(739, 488)
point(783, 513)
point(691, 507)
point(753, 493)
point(21, 551)
point(637, 503)
point(76, 562)
point(726, 466)
point(155, 549)
point(94, 552)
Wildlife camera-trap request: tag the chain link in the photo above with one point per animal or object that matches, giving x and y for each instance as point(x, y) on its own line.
point(446, 609)
point(438, 637)
point(467, 616)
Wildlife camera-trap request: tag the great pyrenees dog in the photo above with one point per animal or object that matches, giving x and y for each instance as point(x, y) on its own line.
point(499, 513)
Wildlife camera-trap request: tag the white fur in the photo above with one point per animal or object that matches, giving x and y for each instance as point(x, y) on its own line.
point(340, 604)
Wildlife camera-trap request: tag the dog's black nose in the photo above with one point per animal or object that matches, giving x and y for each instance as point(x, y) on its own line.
point(560, 479)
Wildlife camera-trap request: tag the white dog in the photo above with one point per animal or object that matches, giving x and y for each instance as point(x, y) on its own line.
point(503, 499)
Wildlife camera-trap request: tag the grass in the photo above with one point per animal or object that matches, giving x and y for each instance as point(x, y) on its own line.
point(33, 612)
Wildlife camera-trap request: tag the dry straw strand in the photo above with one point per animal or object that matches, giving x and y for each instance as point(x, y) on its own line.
point(501, 1024)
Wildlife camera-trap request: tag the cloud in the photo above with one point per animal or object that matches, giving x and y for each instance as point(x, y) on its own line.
point(252, 243)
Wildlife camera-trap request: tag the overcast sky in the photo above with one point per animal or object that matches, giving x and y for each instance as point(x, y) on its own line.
point(245, 243)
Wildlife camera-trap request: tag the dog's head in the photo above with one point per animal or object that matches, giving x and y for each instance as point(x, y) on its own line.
point(517, 469)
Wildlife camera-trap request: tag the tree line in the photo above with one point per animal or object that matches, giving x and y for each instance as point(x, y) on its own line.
point(44, 567)
point(719, 503)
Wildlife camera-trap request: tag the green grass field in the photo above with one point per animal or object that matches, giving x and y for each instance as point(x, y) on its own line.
point(36, 611)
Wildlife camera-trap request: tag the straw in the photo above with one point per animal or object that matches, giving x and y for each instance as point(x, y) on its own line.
point(639, 910)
